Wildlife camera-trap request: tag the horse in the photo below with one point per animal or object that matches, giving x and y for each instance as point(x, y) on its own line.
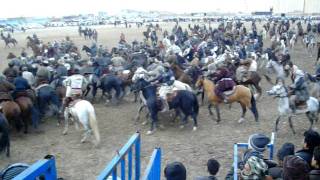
point(4, 139)
point(109, 82)
point(187, 102)
point(35, 48)
point(86, 49)
point(12, 112)
point(277, 68)
point(311, 111)
point(9, 40)
point(253, 80)
point(26, 107)
point(293, 41)
point(46, 98)
point(240, 94)
point(180, 75)
point(82, 111)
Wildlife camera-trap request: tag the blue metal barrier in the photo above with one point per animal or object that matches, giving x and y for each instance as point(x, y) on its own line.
point(134, 141)
point(45, 168)
point(245, 145)
point(153, 171)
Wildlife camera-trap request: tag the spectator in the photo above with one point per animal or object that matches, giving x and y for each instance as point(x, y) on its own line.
point(295, 168)
point(213, 168)
point(311, 140)
point(257, 145)
point(175, 171)
point(254, 169)
point(315, 173)
point(286, 150)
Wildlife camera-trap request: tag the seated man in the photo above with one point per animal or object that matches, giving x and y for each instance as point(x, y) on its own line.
point(299, 91)
point(286, 150)
point(213, 168)
point(224, 83)
point(295, 168)
point(315, 173)
point(311, 140)
point(5, 88)
point(175, 171)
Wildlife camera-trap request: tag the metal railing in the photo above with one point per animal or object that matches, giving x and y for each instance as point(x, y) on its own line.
point(153, 171)
point(245, 145)
point(43, 168)
point(120, 158)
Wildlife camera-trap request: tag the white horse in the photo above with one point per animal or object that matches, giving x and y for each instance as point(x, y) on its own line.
point(284, 109)
point(275, 67)
point(83, 111)
point(292, 41)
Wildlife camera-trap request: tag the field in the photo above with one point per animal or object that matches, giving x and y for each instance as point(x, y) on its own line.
point(193, 149)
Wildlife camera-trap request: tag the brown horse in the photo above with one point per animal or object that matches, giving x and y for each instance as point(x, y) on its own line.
point(12, 112)
point(180, 75)
point(241, 95)
point(26, 105)
point(34, 47)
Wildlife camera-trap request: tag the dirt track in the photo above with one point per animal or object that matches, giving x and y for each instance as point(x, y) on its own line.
point(82, 161)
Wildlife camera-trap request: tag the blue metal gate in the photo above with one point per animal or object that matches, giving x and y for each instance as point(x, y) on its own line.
point(120, 158)
point(153, 171)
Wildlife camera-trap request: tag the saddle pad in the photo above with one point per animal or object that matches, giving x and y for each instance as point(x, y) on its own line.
point(230, 92)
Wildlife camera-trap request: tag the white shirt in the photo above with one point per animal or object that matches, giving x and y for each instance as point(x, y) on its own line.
point(76, 81)
point(29, 77)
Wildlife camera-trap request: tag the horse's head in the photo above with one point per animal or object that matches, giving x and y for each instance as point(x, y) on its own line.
point(199, 83)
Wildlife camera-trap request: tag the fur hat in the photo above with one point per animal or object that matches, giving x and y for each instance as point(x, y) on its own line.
point(175, 171)
point(258, 142)
point(295, 168)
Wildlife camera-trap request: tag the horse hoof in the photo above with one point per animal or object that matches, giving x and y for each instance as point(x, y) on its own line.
point(195, 128)
point(65, 132)
point(241, 120)
point(150, 132)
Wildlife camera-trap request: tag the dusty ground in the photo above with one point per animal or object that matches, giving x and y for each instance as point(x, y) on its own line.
point(82, 161)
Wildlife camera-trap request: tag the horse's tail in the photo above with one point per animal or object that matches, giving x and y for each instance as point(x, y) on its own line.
point(4, 140)
point(253, 108)
point(94, 124)
point(195, 104)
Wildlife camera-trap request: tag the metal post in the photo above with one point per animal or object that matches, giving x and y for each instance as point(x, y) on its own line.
point(235, 161)
point(137, 158)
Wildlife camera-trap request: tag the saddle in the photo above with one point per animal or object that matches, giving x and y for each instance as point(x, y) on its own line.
point(230, 92)
point(74, 102)
point(301, 105)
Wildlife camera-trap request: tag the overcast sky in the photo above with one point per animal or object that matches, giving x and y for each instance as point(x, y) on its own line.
point(14, 8)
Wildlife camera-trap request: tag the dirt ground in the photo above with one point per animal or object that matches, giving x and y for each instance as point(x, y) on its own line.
point(193, 149)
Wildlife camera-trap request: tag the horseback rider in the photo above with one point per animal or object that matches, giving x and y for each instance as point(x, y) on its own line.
point(298, 90)
point(28, 75)
point(60, 73)
point(224, 82)
point(122, 39)
point(74, 86)
point(10, 72)
point(21, 87)
point(43, 73)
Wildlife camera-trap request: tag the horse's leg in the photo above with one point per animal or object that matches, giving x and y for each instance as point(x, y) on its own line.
point(218, 113)
point(277, 122)
point(210, 111)
point(291, 124)
point(310, 117)
point(184, 121)
point(195, 121)
point(86, 133)
point(66, 120)
point(244, 110)
point(258, 88)
point(137, 117)
point(154, 120)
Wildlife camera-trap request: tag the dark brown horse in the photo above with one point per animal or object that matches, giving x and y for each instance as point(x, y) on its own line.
point(12, 112)
point(253, 80)
point(26, 105)
point(180, 75)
